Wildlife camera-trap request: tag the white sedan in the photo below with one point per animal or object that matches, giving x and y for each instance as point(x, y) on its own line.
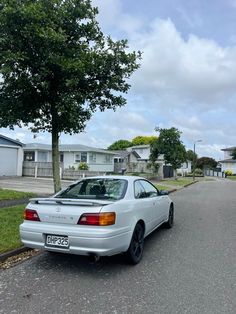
point(98, 216)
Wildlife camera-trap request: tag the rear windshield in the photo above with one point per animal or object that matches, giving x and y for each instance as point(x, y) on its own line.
point(110, 189)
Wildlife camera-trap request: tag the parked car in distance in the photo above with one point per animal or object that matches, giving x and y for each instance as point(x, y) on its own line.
point(98, 216)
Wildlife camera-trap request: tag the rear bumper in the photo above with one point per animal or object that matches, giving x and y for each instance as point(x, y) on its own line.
point(82, 240)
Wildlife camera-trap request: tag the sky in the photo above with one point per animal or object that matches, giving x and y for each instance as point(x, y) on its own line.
point(187, 77)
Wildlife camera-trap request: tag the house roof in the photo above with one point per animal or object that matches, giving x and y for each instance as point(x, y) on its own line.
point(66, 148)
point(140, 146)
point(5, 140)
point(231, 161)
point(125, 153)
point(38, 146)
point(83, 148)
point(229, 148)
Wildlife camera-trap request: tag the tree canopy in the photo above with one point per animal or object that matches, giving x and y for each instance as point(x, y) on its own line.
point(58, 68)
point(233, 154)
point(190, 155)
point(170, 145)
point(136, 141)
point(120, 145)
point(206, 162)
point(143, 140)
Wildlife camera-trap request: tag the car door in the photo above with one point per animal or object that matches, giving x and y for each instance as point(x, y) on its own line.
point(157, 202)
point(143, 205)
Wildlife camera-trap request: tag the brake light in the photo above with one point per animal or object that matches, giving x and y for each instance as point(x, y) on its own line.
point(31, 214)
point(98, 219)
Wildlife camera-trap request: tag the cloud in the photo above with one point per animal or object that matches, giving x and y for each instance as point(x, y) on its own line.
point(194, 70)
point(111, 16)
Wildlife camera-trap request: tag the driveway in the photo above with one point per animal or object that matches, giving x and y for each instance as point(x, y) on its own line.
point(40, 186)
point(188, 269)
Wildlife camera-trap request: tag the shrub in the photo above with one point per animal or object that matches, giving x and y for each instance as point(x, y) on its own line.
point(83, 166)
point(228, 173)
point(198, 171)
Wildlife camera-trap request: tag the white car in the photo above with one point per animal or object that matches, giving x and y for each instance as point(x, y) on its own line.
point(98, 216)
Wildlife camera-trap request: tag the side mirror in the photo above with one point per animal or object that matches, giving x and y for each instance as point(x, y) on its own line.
point(164, 192)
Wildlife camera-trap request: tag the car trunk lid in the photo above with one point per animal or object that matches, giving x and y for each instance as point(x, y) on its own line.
point(65, 211)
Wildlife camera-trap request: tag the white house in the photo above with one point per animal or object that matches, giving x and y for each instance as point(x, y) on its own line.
point(71, 155)
point(137, 158)
point(11, 157)
point(228, 163)
point(142, 150)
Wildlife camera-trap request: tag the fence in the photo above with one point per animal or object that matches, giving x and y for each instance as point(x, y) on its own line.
point(214, 173)
point(44, 169)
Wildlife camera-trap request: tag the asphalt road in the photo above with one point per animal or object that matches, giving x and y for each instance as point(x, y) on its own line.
point(188, 269)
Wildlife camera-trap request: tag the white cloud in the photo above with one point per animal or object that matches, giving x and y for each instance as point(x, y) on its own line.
point(112, 17)
point(194, 70)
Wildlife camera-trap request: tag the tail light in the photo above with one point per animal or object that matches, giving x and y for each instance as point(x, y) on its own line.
point(30, 214)
point(98, 219)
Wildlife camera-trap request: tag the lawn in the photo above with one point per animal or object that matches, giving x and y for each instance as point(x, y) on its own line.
point(163, 187)
point(13, 195)
point(10, 219)
point(179, 181)
point(231, 177)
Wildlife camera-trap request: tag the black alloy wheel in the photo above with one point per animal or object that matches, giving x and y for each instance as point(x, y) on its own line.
point(135, 251)
point(170, 222)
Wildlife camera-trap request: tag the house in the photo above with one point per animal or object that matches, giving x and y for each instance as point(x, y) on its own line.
point(228, 163)
point(71, 155)
point(11, 157)
point(136, 159)
point(186, 167)
point(124, 160)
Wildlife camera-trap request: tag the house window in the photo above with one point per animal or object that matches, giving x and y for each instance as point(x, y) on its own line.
point(92, 157)
point(107, 159)
point(77, 157)
point(118, 160)
point(29, 156)
point(61, 157)
point(84, 157)
point(42, 157)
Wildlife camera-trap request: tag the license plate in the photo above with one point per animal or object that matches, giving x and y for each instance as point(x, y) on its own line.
point(57, 241)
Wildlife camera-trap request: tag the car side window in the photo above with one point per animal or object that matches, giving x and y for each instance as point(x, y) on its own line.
point(139, 191)
point(149, 189)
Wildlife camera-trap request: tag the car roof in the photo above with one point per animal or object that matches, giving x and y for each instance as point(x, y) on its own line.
point(120, 177)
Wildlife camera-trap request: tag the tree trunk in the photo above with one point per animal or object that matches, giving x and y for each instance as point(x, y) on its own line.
point(55, 154)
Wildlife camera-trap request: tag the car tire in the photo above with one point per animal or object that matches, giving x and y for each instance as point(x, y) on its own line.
point(135, 251)
point(170, 222)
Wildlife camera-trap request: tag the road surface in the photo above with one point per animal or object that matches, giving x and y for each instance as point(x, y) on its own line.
point(188, 269)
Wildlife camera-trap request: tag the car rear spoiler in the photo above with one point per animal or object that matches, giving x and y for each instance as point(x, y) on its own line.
point(66, 201)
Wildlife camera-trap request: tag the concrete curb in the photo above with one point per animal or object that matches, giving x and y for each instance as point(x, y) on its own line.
point(9, 203)
point(11, 253)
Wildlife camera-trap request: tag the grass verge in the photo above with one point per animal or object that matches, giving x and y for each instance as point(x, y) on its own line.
point(164, 187)
point(231, 177)
point(14, 195)
point(179, 181)
point(10, 219)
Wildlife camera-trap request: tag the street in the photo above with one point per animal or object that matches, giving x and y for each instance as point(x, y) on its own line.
point(187, 269)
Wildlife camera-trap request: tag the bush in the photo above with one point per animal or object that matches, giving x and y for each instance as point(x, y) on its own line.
point(198, 171)
point(83, 166)
point(228, 173)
